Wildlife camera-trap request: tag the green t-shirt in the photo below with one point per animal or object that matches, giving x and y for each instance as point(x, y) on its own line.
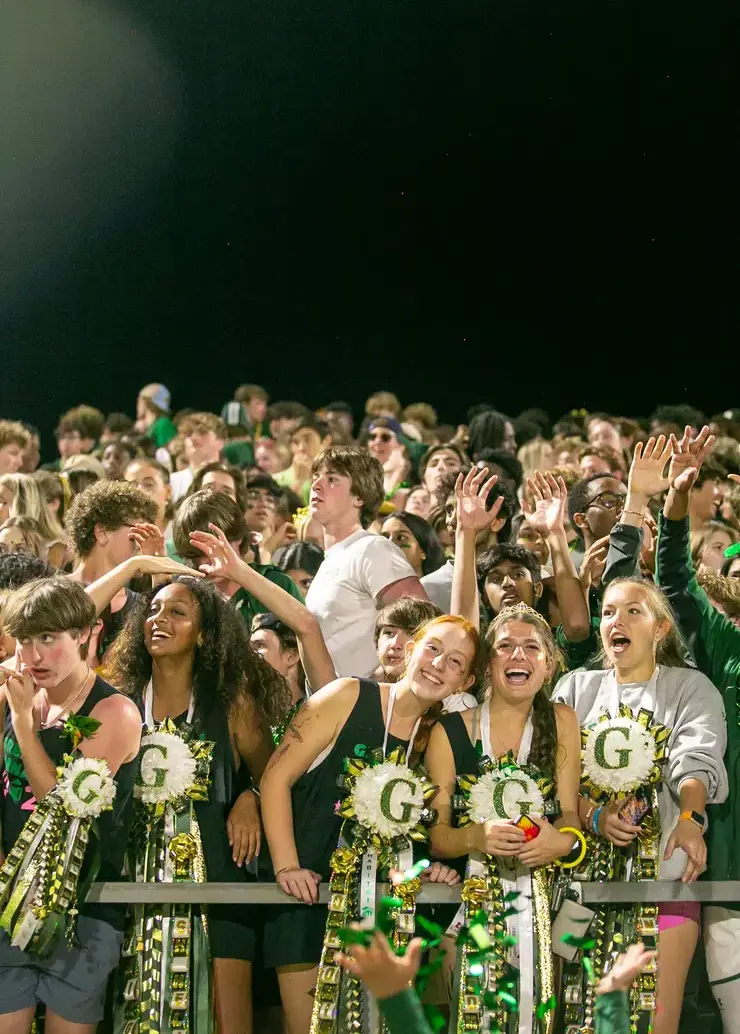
point(284, 478)
point(248, 605)
point(240, 453)
point(162, 431)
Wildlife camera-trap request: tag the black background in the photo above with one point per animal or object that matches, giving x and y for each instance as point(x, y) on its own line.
point(528, 202)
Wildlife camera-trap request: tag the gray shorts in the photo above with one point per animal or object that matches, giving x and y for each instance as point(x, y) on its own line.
point(71, 982)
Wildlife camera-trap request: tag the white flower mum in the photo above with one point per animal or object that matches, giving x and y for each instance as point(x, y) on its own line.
point(501, 795)
point(87, 788)
point(619, 755)
point(167, 768)
point(388, 798)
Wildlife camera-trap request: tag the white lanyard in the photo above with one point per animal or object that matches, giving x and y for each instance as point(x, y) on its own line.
point(149, 707)
point(610, 692)
point(485, 732)
point(389, 716)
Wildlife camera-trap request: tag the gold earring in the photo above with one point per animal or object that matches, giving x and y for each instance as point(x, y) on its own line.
point(199, 640)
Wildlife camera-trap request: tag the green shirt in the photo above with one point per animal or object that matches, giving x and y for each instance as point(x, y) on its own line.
point(239, 453)
point(284, 478)
point(715, 646)
point(162, 431)
point(248, 605)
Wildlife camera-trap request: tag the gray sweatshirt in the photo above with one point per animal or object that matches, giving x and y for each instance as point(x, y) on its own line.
point(687, 703)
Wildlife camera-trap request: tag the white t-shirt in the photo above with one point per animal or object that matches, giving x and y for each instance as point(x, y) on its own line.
point(342, 597)
point(180, 482)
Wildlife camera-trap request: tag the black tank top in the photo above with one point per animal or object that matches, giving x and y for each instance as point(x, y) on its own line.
point(227, 782)
point(315, 794)
point(466, 763)
point(18, 801)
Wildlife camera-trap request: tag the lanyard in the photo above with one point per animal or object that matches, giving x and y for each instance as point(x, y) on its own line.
point(485, 732)
point(149, 707)
point(389, 716)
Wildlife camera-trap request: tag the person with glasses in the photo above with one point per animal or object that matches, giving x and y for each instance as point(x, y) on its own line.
point(77, 432)
point(262, 499)
point(387, 443)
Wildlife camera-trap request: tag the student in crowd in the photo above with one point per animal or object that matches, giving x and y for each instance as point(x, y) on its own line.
point(490, 430)
point(255, 400)
point(675, 754)
point(207, 511)
point(340, 420)
point(20, 497)
point(108, 523)
point(24, 535)
point(301, 562)
point(13, 440)
point(116, 426)
point(601, 459)
point(221, 477)
point(438, 461)
point(116, 457)
point(51, 619)
point(153, 415)
point(32, 450)
point(360, 571)
point(260, 513)
point(709, 545)
point(417, 539)
point(601, 430)
point(298, 789)
point(388, 444)
point(204, 435)
point(77, 433)
point(153, 479)
point(707, 494)
point(307, 440)
point(184, 655)
point(715, 646)
point(502, 507)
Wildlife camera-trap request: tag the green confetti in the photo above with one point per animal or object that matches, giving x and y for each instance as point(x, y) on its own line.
point(385, 918)
point(582, 943)
point(512, 896)
point(479, 936)
point(588, 966)
point(435, 1019)
point(509, 1000)
point(545, 1007)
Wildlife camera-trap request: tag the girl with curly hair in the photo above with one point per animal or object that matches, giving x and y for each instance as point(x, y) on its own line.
point(208, 701)
point(510, 769)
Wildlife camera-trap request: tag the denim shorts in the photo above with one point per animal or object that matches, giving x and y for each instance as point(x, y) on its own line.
point(71, 982)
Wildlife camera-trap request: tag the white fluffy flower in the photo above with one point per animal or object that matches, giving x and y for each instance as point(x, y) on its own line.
point(167, 768)
point(502, 795)
point(87, 788)
point(619, 755)
point(388, 798)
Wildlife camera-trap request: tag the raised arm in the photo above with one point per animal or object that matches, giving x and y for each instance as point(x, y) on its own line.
point(472, 516)
point(547, 517)
point(223, 560)
point(102, 591)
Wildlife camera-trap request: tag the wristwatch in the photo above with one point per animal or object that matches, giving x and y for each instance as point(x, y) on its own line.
point(696, 817)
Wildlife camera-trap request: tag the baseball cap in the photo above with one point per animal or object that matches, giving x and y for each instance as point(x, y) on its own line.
point(158, 394)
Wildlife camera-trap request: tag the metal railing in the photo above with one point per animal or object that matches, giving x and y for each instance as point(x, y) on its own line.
point(724, 892)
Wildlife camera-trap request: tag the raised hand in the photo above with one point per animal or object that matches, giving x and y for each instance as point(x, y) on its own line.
point(647, 473)
point(550, 495)
point(471, 496)
point(687, 459)
point(222, 560)
point(625, 969)
point(149, 538)
point(383, 972)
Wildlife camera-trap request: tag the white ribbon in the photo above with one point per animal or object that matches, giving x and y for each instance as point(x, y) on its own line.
point(149, 707)
point(519, 879)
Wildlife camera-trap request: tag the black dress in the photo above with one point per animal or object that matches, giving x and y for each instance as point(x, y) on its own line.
point(294, 933)
point(18, 801)
point(231, 927)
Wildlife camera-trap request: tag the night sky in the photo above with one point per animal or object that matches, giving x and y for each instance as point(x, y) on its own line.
point(526, 202)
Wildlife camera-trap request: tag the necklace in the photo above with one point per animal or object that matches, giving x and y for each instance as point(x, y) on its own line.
point(46, 723)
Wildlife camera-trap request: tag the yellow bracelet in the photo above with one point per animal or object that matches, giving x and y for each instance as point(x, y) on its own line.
point(579, 836)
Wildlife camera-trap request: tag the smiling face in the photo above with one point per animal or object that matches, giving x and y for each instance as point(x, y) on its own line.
point(629, 630)
point(601, 432)
point(440, 662)
point(395, 530)
point(51, 657)
point(519, 665)
point(441, 462)
point(172, 625)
